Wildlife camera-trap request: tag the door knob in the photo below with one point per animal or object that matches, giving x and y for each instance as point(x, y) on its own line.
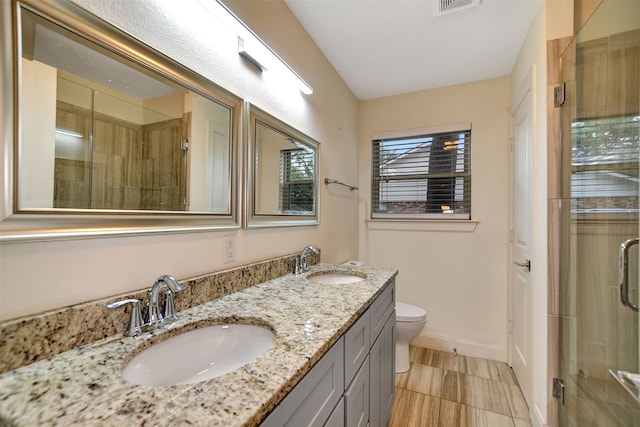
point(526, 264)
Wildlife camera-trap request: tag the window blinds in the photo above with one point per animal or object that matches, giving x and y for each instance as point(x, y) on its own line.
point(422, 176)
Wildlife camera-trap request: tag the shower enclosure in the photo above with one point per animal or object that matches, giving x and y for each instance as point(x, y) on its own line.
point(600, 139)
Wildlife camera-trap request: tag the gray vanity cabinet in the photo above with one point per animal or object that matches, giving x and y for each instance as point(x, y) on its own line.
point(313, 399)
point(370, 350)
point(353, 385)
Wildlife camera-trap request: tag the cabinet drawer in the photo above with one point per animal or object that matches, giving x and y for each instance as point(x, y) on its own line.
point(356, 347)
point(312, 401)
point(381, 310)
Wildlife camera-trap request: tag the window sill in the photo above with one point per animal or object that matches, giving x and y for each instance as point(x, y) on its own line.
point(458, 226)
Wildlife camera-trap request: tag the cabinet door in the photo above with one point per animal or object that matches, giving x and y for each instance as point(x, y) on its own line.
point(381, 309)
point(356, 398)
point(312, 401)
point(337, 417)
point(382, 375)
point(356, 347)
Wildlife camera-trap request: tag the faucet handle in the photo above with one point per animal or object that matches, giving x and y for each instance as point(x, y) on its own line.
point(169, 308)
point(296, 264)
point(135, 321)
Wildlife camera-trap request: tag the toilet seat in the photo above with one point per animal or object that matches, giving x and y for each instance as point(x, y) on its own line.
point(409, 313)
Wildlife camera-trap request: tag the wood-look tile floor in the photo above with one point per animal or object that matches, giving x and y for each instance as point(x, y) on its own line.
point(447, 390)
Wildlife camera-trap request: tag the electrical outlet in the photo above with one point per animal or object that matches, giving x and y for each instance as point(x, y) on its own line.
point(229, 249)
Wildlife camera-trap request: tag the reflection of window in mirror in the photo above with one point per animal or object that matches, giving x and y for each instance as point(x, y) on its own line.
point(100, 132)
point(288, 189)
point(296, 180)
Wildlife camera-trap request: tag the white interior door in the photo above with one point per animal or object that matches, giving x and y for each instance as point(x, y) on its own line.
point(521, 232)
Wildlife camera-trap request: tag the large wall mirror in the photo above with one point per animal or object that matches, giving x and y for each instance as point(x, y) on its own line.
point(282, 173)
point(113, 133)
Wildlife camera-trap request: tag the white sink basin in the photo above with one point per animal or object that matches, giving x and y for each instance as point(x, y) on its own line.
point(198, 355)
point(335, 278)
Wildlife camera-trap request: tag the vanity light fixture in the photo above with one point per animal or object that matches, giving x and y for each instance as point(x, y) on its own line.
point(252, 48)
point(249, 55)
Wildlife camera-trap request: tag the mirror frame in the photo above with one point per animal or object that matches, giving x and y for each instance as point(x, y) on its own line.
point(255, 115)
point(52, 224)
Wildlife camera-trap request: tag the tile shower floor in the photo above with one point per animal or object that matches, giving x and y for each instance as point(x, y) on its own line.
point(443, 389)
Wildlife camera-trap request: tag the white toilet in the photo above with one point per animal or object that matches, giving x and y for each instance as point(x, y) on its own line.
point(409, 322)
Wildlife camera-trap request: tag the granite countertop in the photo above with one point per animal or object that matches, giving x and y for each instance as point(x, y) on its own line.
point(84, 386)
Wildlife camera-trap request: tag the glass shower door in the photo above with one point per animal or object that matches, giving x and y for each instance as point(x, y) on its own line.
point(601, 119)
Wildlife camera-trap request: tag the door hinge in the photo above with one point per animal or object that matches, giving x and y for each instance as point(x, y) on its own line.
point(559, 95)
point(184, 144)
point(558, 389)
point(509, 326)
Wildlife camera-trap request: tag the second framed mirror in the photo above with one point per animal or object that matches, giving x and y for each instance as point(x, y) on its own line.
point(282, 173)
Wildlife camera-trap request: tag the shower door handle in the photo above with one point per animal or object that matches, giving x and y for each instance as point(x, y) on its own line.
point(624, 273)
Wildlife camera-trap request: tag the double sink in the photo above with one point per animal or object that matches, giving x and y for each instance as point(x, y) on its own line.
point(279, 329)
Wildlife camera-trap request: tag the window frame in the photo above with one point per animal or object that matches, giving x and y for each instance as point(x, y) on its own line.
point(424, 133)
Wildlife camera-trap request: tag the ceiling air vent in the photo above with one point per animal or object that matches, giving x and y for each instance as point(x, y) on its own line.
point(442, 7)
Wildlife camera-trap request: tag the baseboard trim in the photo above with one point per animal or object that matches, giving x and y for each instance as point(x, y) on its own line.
point(463, 347)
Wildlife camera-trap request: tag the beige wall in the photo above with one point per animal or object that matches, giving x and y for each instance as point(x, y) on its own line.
point(458, 277)
point(40, 276)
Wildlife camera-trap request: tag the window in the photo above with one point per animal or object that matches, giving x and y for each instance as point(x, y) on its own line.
point(422, 175)
point(296, 180)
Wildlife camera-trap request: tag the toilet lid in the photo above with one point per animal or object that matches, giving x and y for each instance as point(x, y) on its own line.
point(409, 313)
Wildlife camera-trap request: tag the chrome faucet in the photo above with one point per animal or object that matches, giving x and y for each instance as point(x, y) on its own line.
point(154, 316)
point(303, 258)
